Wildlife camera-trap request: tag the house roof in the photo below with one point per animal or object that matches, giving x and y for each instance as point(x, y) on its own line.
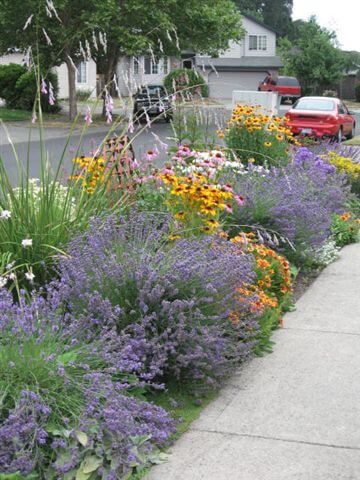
point(242, 63)
point(259, 22)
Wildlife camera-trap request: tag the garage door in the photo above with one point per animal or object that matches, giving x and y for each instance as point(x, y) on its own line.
point(223, 84)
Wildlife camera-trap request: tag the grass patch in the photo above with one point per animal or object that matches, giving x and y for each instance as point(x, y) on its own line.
point(187, 410)
point(10, 115)
point(353, 141)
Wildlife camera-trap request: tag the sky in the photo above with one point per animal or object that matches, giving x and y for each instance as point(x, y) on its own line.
point(343, 17)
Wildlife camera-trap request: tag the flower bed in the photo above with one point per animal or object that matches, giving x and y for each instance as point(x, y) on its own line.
point(133, 289)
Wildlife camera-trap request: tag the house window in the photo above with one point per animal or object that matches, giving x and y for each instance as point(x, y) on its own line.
point(151, 67)
point(165, 65)
point(136, 65)
point(82, 72)
point(257, 42)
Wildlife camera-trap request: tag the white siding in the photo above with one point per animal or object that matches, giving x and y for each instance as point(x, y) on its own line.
point(253, 28)
point(235, 50)
point(61, 73)
point(17, 58)
point(90, 84)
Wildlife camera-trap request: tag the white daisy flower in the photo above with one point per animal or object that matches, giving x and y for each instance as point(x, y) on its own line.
point(5, 214)
point(29, 276)
point(27, 242)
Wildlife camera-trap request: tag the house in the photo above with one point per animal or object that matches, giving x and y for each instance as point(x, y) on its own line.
point(85, 77)
point(241, 67)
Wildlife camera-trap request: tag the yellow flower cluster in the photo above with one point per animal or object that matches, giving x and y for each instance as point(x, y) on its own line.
point(344, 164)
point(252, 120)
point(194, 202)
point(91, 171)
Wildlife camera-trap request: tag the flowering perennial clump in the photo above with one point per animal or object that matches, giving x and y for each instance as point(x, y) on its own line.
point(253, 134)
point(63, 403)
point(170, 300)
point(196, 203)
point(91, 172)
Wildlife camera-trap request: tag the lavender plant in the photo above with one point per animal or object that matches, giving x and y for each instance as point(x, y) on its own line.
point(297, 202)
point(172, 300)
point(64, 408)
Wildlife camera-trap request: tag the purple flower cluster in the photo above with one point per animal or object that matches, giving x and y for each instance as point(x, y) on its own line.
point(163, 306)
point(50, 380)
point(296, 201)
point(21, 434)
point(116, 427)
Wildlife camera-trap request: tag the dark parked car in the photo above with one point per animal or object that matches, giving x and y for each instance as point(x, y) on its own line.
point(288, 88)
point(153, 100)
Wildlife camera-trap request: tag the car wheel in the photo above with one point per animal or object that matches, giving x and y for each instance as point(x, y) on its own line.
point(352, 133)
point(339, 136)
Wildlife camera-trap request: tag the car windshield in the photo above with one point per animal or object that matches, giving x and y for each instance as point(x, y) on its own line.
point(153, 90)
point(324, 105)
point(288, 82)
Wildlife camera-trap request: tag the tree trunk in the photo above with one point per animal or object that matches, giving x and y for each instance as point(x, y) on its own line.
point(72, 90)
point(110, 71)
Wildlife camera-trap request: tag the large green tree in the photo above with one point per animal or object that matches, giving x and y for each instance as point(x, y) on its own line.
point(160, 27)
point(165, 27)
point(274, 13)
point(313, 56)
point(54, 30)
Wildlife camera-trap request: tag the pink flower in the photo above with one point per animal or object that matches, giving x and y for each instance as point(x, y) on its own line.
point(34, 117)
point(239, 200)
point(228, 208)
point(51, 94)
point(150, 155)
point(43, 87)
point(88, 119)
point(109, 107)
point(227, 188)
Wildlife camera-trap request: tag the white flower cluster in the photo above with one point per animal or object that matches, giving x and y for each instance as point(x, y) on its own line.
point(214, 162)
point(10, 276)
point(328, 253)
point(36, 194)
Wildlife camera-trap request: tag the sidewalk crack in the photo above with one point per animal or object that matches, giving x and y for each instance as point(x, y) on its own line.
point(276, 439)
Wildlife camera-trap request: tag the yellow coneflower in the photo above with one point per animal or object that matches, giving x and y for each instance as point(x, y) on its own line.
point(267, 144)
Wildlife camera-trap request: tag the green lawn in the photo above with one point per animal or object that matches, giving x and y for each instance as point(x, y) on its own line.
point(10, 115)
point(353, 141)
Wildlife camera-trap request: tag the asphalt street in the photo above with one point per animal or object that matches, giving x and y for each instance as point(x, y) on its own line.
point(57, 144)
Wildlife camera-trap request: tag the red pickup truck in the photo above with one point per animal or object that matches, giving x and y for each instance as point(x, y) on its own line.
point(288, 88)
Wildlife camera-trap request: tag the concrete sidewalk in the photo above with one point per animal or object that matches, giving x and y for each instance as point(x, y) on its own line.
point(293, 414)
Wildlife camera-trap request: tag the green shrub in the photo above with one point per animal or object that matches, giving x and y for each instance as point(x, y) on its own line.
point(9, 75)
point(83, 95)
point(26, 87)
point(188, 81)
point(357, 92)
point(18, 88)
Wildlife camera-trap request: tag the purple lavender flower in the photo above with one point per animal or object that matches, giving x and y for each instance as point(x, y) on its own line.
point(163, 309)
point(296, 201)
